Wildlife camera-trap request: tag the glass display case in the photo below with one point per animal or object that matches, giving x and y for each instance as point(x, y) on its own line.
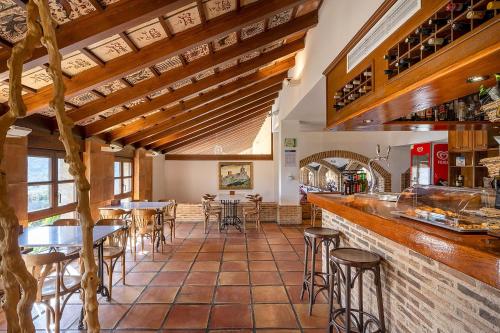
point(458, 209)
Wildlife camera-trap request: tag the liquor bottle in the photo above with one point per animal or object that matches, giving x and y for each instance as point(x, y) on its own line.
point(435, 110)
point(421, 115)
point(424, 31)
point(412, 40)
point(390, 57)
point(442, 112)
point(427, 48)
point(461, 110)
point(429, 114)
point(438, 21)
point(460, 181)
point(436, 41)
point(454, 7)
point(451, 112)
point(493, 5)
point(460, 26)
point(475, 14)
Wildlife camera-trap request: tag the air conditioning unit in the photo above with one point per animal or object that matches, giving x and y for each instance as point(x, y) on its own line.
point(112, 148)
point(18, 132)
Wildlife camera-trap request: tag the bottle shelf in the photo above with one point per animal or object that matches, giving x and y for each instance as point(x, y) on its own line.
point(449, 23)
point(359, 86)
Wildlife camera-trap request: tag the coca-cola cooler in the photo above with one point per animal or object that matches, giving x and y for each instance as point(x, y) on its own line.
point(429, 164)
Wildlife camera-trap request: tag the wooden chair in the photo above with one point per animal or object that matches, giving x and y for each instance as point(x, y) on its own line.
point(144, 224)
point(120, 214)
point(49, 269)
point(253, 211)
point(114, 249)
point(169, 216)
point(210, 210)
point(66, 222)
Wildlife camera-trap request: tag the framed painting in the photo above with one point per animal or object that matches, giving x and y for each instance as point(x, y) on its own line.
point(235, 175)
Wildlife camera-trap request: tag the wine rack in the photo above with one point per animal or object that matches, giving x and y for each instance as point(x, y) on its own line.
point(445, 26)
point(354, 89)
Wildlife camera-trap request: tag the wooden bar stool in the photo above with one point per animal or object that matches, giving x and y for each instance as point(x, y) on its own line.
point(346, 319)
point(314, 238)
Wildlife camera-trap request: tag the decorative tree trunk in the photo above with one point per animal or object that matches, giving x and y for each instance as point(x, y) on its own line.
point(14, 272)
point(90, 280)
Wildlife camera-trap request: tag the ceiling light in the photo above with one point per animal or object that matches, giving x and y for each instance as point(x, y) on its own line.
point(477, 78)
point(367, 121)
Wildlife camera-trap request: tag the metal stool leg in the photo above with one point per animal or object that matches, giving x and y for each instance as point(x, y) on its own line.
point(360, 300)
point(313, 272)
point(348, 299)
point(306, 259)
point(378, 287)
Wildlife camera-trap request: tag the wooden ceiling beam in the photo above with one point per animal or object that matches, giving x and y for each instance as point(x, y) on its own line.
point(191, 127)
point(104, 125)
point(154, 134)
point(212, 100)
point(205, 134)
point(150, 56)
point(97, 26)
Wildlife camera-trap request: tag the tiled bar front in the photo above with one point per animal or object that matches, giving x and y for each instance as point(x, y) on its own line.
point(419, 293)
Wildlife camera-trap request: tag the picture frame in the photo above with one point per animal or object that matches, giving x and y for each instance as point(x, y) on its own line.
point(235, 175)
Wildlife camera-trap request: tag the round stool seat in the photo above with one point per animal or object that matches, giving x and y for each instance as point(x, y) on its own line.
point(354, 257)
point(318, 232)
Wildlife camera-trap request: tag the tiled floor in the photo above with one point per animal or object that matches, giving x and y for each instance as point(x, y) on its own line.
point(214, 282)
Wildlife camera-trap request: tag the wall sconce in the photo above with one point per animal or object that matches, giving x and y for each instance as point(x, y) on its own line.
point(291, 177)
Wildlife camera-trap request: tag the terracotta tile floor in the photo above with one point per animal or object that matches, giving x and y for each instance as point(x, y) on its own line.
point(207, 283)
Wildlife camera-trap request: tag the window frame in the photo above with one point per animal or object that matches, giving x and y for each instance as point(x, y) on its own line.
point(54, 182)
point(122, 161)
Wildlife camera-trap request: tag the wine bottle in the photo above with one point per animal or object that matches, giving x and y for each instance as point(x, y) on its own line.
point(436, 41)
point(454, 7)
point(367, 87)
point(349, 86)
point(356, 82)
point(346, 89)
point(425, 31)
point(427, 48)
point(438, 21)
point(412, 40)
point(353, 97)
point(389, 71)
point(390, 57)
point(367, 73)
point(475, 15)
point(337, 96)
point(460, 26)
point(493, 5)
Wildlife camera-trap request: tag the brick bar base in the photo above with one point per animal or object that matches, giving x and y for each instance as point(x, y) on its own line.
point(289, 214)
point(420, 294)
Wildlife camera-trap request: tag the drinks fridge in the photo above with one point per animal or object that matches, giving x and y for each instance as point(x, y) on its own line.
point(429, 164)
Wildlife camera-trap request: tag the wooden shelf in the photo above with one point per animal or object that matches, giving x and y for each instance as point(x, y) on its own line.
point(404, 55)
point(403, 125)
point(346, 95)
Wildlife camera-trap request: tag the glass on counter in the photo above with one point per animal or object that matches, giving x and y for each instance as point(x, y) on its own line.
point(458, 209)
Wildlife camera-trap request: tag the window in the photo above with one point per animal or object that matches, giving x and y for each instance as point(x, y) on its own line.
point(51, 188)
point(123, 177)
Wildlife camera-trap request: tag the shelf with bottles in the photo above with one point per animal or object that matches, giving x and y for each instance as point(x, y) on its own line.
point(354, 89)
point(449, 23)
point(354, 181)
point(464, 109)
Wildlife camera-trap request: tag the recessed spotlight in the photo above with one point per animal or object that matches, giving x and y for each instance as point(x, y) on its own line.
point(477, 78)
point(367, 121)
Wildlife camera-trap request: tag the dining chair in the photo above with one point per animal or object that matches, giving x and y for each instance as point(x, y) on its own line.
point(210, 210)
point(253, 211)
point(66, 222)
point(54, 283)
point(114, 249)
point(143, 224)
point(170, 215)
point(120, 214)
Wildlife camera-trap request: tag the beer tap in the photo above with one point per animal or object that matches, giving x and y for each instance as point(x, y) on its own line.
point(373, 187)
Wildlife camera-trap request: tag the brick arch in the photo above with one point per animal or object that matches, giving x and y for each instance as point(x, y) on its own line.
point(319, 157)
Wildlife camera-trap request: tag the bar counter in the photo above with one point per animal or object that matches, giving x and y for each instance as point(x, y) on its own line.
point(446, 281)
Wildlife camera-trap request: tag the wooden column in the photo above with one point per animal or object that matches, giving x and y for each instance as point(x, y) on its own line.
point(143, 175)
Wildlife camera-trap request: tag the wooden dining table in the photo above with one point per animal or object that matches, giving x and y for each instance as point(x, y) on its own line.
point(54, 237)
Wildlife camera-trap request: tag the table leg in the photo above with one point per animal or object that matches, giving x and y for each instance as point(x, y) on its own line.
point(101, 289)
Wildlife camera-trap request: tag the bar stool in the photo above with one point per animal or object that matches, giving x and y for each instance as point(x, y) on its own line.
point(314, 238)
point(360, 261)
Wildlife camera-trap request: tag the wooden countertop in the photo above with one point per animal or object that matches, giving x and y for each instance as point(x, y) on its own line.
point(475, 255)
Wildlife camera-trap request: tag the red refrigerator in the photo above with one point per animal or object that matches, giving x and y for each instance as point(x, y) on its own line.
point(429, 164)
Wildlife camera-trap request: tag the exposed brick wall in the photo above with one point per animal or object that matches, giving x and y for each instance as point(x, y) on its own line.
point(386, 175)
point(420, 294)
point(289, 214)
point(405, 179)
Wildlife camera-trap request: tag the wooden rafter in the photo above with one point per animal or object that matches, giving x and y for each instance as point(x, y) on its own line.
point(166, 99)
point(93, 28)
point(203, 17)
point(205, 134)
point(209, 101)
point(154, 134)
point(159, 51)
point(92, 56)
point(194, 126)
point(145, 88)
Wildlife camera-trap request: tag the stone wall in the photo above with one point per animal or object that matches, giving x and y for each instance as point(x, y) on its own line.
point(420, 294)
